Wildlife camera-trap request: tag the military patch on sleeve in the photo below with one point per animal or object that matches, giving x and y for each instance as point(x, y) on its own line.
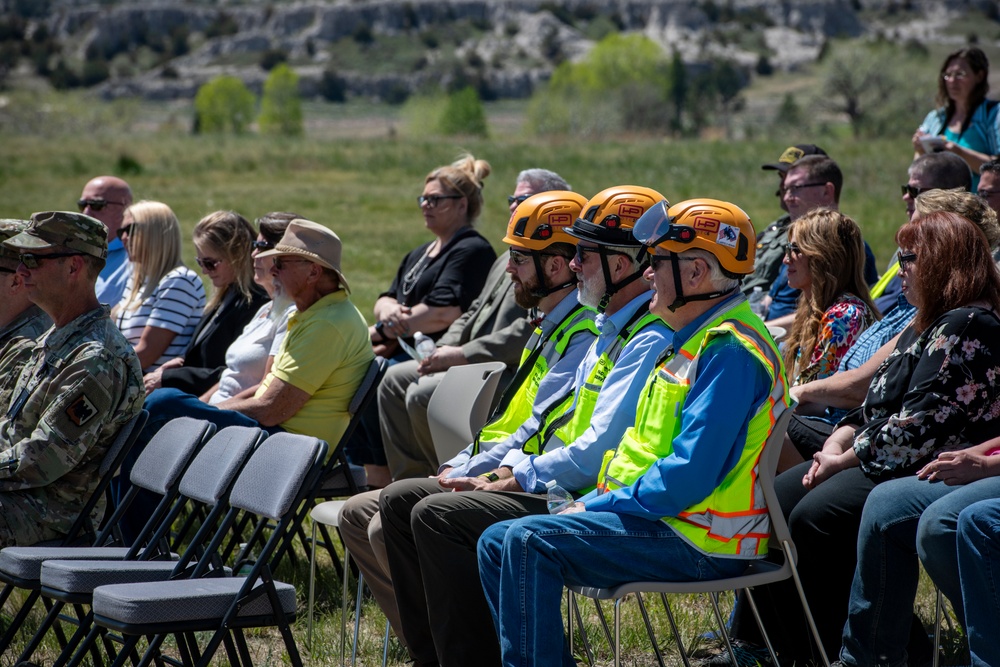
point(81, 410)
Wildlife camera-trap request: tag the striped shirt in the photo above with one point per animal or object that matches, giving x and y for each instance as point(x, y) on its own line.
point(175, 305)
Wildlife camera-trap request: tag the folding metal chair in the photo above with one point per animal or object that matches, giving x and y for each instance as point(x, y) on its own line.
point(461, 405)
point(277, 479)
point(206, 483)
point(758, 572)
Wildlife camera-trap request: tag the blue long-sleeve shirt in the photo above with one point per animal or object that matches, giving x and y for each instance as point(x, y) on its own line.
point(576, 465)
point(558, 382)
point(731, 384)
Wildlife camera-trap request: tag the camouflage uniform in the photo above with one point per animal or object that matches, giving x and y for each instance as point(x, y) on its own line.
point(770, 251)
point(80, 385)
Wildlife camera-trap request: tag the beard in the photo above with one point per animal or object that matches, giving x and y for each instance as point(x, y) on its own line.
point(526, 294)
point(590, 293)
point(279, 303)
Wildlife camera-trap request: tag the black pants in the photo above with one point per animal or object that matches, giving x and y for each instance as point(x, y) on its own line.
point(430, 537)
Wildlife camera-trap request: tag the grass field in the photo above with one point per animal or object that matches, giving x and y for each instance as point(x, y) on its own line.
point(358, 171)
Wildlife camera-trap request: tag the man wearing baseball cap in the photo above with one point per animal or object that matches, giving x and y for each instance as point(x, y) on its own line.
point(79, 386)
point(320, 363)
point(771, 241)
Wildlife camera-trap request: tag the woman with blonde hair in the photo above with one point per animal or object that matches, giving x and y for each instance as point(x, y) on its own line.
point(224, 241)
point(163, 299)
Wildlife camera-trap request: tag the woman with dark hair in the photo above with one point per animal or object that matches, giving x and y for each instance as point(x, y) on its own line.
point(965, 123)
point(224, 242)
point(938, 391)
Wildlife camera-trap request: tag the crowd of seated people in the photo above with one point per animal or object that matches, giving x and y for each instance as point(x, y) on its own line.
point(639, 379)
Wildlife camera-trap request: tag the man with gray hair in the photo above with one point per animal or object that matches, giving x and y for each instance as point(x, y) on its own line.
point(494, 328)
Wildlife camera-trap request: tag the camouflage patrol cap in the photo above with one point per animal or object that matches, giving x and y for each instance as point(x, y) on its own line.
point(63, 229)
point(8, 229)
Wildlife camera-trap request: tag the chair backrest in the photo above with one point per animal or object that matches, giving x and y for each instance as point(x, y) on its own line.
point(460, 406)
point(767, 469)
point(365, 392)
point(110, 464)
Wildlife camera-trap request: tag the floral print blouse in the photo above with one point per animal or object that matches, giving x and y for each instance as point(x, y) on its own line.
point(937, 391)
point(841, 325)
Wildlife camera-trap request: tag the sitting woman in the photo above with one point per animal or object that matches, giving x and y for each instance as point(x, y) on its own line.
point(163, 299)
point(224, 241)
point(438, 281)
point(825, 259)
point(938, 391)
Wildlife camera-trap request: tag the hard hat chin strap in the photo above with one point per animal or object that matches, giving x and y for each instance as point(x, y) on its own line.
point(612, 288)
point(544, 289)
point(680, 299)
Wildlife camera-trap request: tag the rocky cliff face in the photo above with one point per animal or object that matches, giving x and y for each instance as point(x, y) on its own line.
point(505, 47)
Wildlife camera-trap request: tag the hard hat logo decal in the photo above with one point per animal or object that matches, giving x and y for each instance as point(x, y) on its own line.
point(728, 236)
point(630, 211)
point(560, 219)
point(703, 224)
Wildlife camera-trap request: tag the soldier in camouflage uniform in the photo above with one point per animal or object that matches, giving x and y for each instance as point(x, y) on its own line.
point(80, 385)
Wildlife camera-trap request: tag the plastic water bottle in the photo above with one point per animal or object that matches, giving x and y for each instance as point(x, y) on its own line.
point(424, 345)
point(756, 300)
point(557, 497)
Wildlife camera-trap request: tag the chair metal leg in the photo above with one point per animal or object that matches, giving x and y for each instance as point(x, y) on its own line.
point(649, 629)
point(618, 632)
point(385, 645)
point(312, 590)
point(343, 610)
point(575, 608)
point(714, 597)
point(760, 624)
point(357, 618)
point(805, 604)
point(938, 611)
point(675, 630)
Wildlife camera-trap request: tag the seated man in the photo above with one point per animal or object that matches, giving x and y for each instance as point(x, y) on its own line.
point(320, 363)
point(670, 491)
point(538, 263)
point(430, 534)
point(79, 386)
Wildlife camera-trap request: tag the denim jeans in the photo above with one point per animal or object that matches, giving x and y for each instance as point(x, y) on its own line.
point(897, 516)
point(979, 569)
point(525, 563)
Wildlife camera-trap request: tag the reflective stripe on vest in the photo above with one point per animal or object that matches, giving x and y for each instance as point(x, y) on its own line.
point(878, 289)
point(566, 420)
point(732, 519)
point(580, 319)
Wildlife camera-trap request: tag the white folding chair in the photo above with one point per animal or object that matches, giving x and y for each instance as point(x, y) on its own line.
point(460, 406)
point(758, 573)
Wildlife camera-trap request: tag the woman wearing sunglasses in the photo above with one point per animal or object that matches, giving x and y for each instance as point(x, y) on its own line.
point(438, 281)
point(224, 241)
point(825, 259)
point(163, 299)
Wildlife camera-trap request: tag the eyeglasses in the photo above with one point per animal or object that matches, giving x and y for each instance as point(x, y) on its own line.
point(905, 259)
point(600, 250)
point(793, 190)
point(33, 261)
point(125, 229)
point(96, 204)
point(518, 258)
point(955, 75)
point(656, 260)
point(208, 264)
point(984, 193)
point(262, 245)
point(280, 262)
point(432, 200)
point(792, 249)
point(912, 190)
point(512, 200)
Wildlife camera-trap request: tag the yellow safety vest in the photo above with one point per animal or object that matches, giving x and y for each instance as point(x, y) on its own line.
point(566, 420)
point(878, 289)
point(542, 352)
point(732, 519)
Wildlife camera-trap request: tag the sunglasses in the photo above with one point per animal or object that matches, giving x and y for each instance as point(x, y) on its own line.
point(656, 260)
point(262, 245)
point(125, 229)
point(208, 264)
point(33, 261)
point(279, 262)
point(96, 204)
point(792, 249)
point(600, 250)
point(905, 258)
point(912, 190)
point(511, 199)
point(433, 200)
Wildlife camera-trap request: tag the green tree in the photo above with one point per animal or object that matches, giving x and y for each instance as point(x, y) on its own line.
point(224, 104)
point(463, 114)
point(281, 106)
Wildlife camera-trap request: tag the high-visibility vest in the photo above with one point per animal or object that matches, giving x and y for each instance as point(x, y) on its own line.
point(541, 352)
point(878, 289)
point(566, 420)
point(732, 519)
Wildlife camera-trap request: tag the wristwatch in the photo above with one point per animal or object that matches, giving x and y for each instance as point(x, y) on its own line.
point(490, 476)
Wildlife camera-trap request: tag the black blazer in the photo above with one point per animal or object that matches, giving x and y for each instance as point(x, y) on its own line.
point(205, 357)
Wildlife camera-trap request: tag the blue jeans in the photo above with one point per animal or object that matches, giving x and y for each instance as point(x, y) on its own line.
point(525, 563)
point(898, 518)
point(164, 405)
point(979, 569)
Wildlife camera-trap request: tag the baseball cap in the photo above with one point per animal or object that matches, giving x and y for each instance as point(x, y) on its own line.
point(792, 154)
point(311, 240)
point(63, 229)
point(10, 228)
